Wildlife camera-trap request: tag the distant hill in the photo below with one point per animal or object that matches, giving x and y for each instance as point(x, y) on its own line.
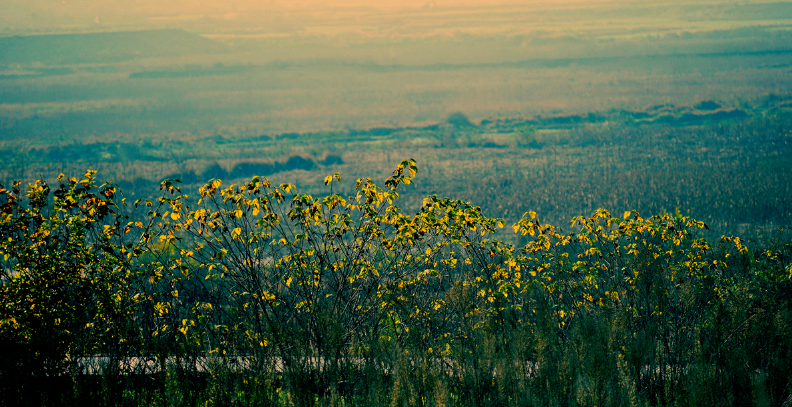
point(68, 49)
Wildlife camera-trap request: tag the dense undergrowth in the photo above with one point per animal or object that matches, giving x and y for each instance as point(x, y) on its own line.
point(255, 294)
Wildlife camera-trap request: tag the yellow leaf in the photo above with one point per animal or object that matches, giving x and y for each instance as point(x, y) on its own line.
point(627, 215)
point(175, 216)
point(328, 179)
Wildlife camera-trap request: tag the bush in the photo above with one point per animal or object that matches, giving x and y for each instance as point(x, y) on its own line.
point(255, 294)
point(64, 281)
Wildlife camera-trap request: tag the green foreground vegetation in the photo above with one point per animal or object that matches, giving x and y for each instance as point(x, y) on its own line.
point(255, 294)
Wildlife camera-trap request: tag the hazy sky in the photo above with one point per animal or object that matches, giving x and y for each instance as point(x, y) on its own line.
point(70, 15)
point(200, 6)
point(313, 17)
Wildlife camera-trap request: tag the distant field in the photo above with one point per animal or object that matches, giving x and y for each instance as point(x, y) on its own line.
point(358, 67)
point(331, 94)
point(723, 164)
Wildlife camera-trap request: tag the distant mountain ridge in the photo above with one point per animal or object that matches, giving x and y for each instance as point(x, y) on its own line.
point(71, 49)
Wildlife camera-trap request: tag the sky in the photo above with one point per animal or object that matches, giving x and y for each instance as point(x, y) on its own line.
point(48, 16)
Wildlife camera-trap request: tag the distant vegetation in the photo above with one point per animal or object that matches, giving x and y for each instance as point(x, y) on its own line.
point(93, 48)
point(720, 163)
point(257, 294)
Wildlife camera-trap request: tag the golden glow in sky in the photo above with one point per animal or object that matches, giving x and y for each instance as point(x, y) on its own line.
point(71, 15)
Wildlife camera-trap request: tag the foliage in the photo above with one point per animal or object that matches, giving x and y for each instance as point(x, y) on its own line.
point(258, 294)
point(458, 119)
point(65, 278)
